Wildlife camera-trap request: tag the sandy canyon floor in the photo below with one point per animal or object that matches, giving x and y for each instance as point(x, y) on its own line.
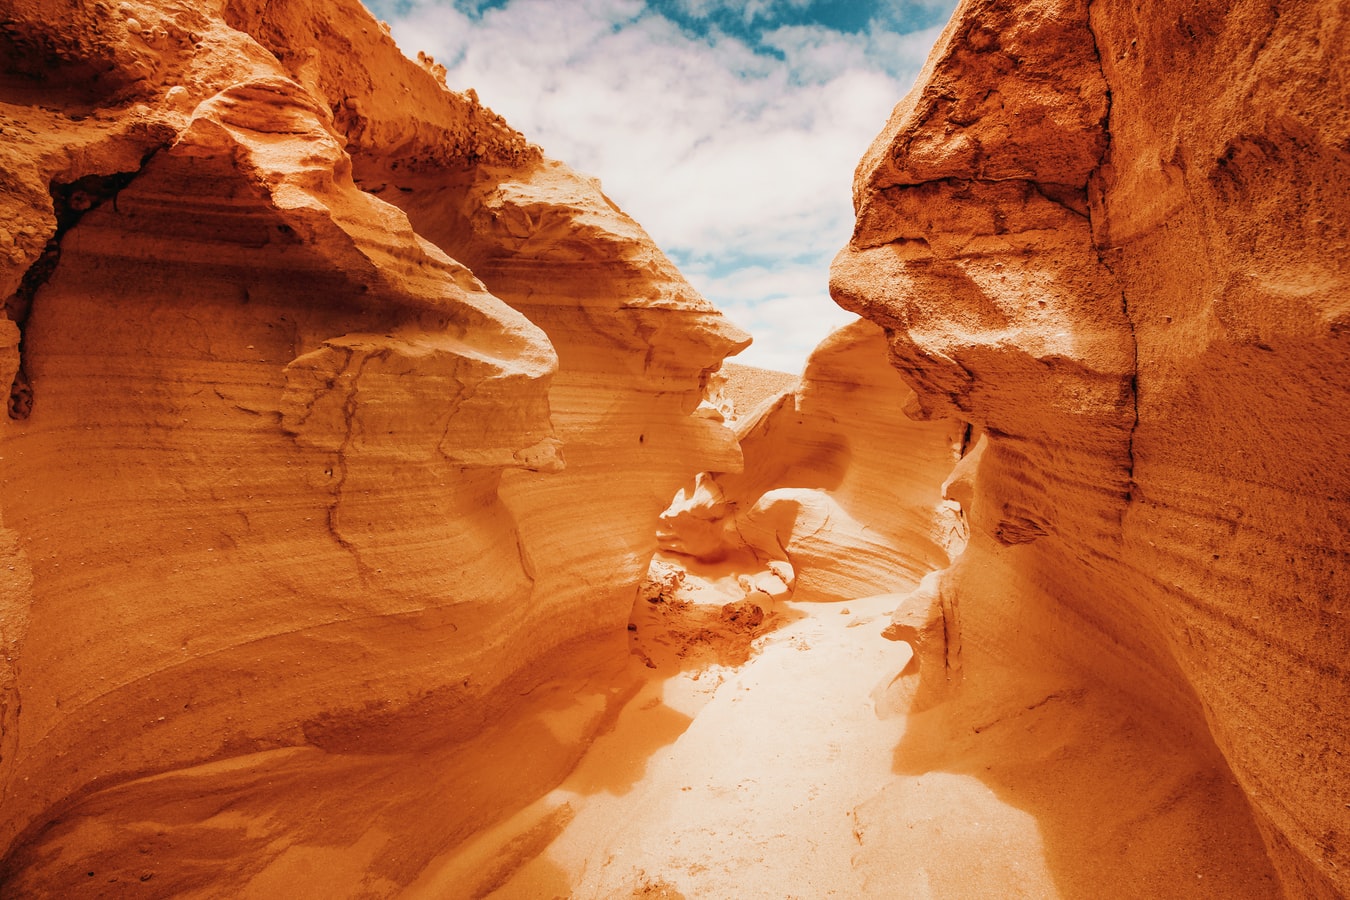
point(722, 776)
point(771, 761)
point(745, 751)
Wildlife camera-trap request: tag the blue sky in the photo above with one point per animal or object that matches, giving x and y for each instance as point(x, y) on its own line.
point(730, 131)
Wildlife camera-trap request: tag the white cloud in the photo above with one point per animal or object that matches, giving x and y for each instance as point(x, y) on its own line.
point(748, 10)
point(781, 306)
point(722, 154)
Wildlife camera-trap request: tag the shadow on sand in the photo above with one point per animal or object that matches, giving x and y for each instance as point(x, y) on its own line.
point(1048, 783)
point(375, 818)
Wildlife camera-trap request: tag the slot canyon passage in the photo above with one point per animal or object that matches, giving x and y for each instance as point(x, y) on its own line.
point(378, 516)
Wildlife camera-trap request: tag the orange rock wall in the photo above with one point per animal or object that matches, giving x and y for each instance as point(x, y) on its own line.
point(284, 466)
point(1114, 238)
point(634, 340)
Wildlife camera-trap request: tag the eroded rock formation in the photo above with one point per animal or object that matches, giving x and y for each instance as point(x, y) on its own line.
point(1114, 238)
point(327, 387)
point(340, 422)
point(840, 493)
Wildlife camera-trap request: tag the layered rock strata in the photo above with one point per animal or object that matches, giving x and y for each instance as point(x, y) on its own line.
point(840, 492)
point(1113, 237)
point(292, 471)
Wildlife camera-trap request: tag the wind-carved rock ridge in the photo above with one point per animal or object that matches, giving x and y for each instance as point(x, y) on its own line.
point(1155, 385)
point(313, 487)
point(823, 508)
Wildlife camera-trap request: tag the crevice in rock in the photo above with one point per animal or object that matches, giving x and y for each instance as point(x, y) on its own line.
point(70, 201)
point(349, 418)
point(966, 439)
point(1131, 488)
point(1102, 251)
point(1071, 198)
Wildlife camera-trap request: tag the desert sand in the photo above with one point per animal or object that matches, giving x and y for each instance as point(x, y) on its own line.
point(379, 516)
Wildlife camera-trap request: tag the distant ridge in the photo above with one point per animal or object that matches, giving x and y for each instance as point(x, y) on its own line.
point(749, 386)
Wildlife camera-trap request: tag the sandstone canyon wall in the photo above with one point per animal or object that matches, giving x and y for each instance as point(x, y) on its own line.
point(341, 422)
point(337, 408)
point(1113, 237)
